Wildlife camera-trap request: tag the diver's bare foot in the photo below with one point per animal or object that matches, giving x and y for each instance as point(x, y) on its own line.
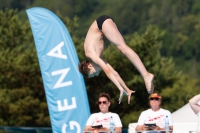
point(148, 79)
point(129, 92)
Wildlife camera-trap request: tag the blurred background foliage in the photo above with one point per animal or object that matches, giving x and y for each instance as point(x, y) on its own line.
point(165, 34)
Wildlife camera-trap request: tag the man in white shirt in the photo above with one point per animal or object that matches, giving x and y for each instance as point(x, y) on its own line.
point(155, 115)
point(103, 117)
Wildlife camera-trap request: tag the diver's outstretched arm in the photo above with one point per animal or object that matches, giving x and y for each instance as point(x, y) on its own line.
point(127, 92)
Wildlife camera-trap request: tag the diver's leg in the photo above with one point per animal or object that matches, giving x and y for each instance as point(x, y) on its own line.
point(112, 33)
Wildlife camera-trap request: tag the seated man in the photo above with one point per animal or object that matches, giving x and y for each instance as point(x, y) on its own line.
point(156, 115)
point(103, 117)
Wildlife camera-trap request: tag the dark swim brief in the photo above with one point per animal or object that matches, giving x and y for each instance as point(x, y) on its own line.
point(101, 19)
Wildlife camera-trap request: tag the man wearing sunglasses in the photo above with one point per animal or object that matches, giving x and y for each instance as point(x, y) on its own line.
point(154, 118)
point(101, 121)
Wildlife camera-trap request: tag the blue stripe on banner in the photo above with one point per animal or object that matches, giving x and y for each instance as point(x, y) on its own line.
point(64, 85)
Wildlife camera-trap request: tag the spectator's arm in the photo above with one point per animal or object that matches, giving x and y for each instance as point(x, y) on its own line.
point(171, 128)
point(118, 129)
point(194, 103)
point(88, 128)
point(139, 128)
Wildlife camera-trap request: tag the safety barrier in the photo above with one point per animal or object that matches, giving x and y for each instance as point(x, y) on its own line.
point(6, 129)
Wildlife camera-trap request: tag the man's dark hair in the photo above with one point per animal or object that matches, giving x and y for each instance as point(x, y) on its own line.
point(83, 68)
point(106, 95)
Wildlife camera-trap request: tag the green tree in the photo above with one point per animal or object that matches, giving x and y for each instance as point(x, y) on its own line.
point(22, 97)
point(13, 4)
point(185, 45)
